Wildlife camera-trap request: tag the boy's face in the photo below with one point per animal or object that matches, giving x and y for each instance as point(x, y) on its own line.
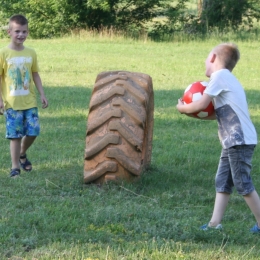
point(18, 33)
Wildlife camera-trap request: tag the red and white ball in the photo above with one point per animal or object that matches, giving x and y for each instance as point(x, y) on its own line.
point(194, 92)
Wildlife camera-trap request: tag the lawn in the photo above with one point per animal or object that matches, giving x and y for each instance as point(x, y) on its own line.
point(51, 214)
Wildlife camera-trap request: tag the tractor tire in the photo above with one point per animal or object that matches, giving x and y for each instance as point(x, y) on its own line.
point(120, 127)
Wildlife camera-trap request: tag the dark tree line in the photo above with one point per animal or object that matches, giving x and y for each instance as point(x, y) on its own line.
point(229, 13)
point(49, 18)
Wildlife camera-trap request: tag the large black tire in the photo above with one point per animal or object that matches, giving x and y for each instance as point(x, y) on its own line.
point(120, 127)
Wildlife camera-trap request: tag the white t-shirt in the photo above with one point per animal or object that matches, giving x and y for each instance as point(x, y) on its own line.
point(234, 124)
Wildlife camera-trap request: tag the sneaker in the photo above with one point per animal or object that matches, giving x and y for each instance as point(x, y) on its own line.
point(255, 229)
point(207, 227)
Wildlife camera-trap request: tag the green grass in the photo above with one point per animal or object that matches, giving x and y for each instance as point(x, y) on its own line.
point(50, 214)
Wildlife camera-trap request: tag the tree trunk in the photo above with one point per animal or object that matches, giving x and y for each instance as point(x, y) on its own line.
point(200, 2)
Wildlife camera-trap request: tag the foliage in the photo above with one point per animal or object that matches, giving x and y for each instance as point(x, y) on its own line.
point(160, 18)
point(174, 18)
point(223, 14)
point(53, 18)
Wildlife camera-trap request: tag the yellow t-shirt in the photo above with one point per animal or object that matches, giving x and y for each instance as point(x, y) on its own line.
point(17, 86)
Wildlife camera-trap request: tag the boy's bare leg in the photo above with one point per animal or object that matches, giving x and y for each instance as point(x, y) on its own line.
point(253, 202)
point(15, 147)
point(26, 142)
point(221, 202)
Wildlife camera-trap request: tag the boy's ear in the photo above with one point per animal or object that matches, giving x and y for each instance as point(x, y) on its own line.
point(213, 57)
point(9, 30)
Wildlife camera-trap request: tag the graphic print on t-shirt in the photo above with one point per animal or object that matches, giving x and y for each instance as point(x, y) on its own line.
point(19, 75)
point(230, 129)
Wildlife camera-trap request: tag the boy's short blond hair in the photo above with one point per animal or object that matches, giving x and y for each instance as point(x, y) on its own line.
point(228, 54)
point(19, 19)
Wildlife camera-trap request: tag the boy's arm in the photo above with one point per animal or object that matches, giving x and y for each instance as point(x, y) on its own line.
point(195, 106)
point(38, 83)
point(1, 100)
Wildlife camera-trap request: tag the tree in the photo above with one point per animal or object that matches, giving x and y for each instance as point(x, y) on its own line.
point(173, 20)
point(228, 13)
point(55, 17)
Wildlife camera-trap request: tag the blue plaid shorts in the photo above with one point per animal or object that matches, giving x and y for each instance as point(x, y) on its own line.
point(22, 122)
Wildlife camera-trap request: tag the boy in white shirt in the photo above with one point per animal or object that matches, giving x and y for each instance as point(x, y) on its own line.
point(236, 132)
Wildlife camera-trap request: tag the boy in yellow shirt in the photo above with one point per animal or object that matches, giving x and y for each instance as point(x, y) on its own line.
point(18, 75)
